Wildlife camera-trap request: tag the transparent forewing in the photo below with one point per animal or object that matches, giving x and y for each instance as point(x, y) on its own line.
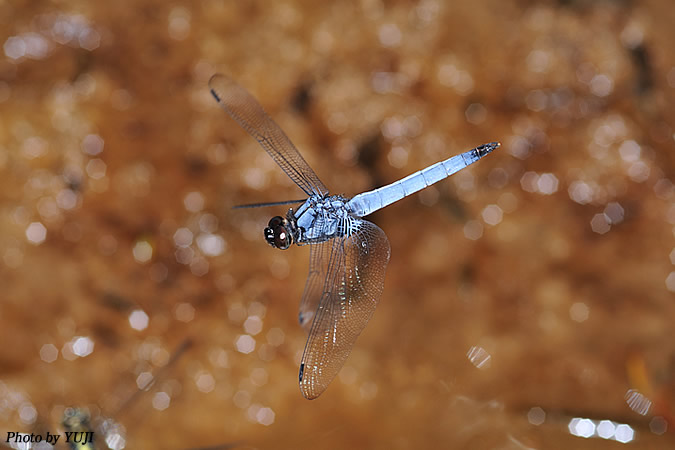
point(319, 256)
point(351, 291)
point(248, 113)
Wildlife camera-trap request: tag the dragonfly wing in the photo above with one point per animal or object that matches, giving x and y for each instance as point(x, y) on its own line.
point(319, 256)
point(352, 289)
point(248, 113)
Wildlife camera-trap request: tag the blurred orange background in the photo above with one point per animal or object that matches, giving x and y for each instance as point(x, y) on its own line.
point(529, 298)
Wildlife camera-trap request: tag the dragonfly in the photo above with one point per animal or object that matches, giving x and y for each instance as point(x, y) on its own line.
point(348, 254)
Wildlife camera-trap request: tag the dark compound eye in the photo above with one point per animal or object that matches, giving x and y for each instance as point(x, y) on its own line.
point(276, 221)
point(277, 235)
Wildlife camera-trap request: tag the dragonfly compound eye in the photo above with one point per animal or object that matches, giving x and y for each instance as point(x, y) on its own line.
point(277, 235)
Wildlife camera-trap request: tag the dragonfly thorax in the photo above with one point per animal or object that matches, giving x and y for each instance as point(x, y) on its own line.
point(318, 219)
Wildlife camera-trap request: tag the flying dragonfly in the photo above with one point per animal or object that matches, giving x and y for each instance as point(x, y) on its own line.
point(348, 254)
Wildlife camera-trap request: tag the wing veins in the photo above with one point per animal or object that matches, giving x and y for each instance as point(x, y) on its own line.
point(250, 115)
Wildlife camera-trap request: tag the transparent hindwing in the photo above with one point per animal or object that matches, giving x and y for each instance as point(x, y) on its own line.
point(344, 286)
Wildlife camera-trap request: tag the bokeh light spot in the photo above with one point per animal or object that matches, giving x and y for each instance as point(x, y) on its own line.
point(142, 251)
point(211, 244)
point(96, 168)
point(473, 230)
point(205, 382)
point(492, 214)
point(92, 144)
point(253, 325)
point(82, 346)
point(658, 425)
point(670, 282)
point(49, 353)
point(138, 320)
point(161, 401)
point(27, 413)
point(179, 23)
point(36, 233)
point(624, 433)
point(579, 312)
point(182, 237)
point(601, 85)
point(638, 402)
point(476, 113)
point(245, 344)
point(479, 357)
point(600, 223)
point(390, 35)
point(194, 201)
point(185, 312)
point(606, 429)
point(536, 416)
point(582, 427)
point(614, 213)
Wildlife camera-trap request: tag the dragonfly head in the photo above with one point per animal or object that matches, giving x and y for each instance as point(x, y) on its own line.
point(277, 233)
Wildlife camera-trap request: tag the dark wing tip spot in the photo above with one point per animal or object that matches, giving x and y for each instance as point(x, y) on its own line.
point(302, 372)
point(215, 95)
